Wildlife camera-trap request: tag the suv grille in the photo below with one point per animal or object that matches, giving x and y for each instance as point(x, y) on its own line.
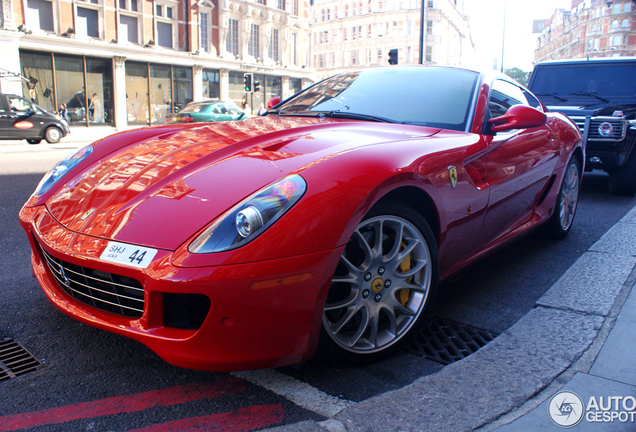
point(106, 291)
point(615, 128)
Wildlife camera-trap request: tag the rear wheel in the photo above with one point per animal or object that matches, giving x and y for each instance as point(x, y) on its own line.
point(383, 285)
point(561, 220)
point(52, 135)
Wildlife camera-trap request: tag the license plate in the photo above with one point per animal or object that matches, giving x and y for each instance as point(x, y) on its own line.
point(123, 253)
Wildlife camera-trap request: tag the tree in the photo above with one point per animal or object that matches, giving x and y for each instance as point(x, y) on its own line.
point(517, 74)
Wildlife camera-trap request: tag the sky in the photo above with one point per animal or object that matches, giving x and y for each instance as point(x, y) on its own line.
point(487, 29)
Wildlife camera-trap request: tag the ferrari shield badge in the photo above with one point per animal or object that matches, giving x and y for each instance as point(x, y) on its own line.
point(452, 176)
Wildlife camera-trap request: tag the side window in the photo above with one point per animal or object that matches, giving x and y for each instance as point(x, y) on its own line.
point(19, 104)
point(502, 96)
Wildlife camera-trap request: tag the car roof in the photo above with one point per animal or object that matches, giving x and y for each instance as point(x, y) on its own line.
point(586, 61)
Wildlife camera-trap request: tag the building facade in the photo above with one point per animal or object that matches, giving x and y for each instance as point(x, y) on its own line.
point(133, 62)
point(593, 28)
point(356, 33)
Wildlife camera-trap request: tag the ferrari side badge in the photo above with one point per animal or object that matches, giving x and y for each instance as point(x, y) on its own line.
point(452, 176)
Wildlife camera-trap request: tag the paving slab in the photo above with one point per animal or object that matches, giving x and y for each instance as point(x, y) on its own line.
point(591, 285)
point(585, 386)
point(617, 359)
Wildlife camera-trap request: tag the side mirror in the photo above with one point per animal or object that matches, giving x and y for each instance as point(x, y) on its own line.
point(518, 117)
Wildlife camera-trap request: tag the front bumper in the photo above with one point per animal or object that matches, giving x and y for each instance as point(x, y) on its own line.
point(261, 314)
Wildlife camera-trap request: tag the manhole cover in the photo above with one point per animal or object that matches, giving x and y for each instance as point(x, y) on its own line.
point(446, 341)
point(15, 360)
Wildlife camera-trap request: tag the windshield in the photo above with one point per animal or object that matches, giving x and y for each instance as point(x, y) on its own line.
point(426, 96)
point(585, 81)
point(194, 108)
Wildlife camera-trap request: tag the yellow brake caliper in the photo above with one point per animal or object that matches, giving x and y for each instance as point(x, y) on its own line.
point(403, 295)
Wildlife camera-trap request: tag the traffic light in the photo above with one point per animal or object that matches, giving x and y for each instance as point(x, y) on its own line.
point(247, 82)
point(393, 56)
point(257, 86)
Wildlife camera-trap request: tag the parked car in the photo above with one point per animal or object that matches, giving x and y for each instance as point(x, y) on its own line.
point(23, 119)
point(600, 96)
point(331, 219)
point(207, 111)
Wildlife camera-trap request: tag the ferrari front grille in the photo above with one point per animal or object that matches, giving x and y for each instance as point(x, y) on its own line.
point(106, 291)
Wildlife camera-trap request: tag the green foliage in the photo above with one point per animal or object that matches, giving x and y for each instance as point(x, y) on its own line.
point(517, 74)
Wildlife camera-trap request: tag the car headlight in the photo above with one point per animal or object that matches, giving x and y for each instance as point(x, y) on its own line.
point(251, 217)
point(61, 169)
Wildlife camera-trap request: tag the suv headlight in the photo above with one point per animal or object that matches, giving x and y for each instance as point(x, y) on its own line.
point(251, 217)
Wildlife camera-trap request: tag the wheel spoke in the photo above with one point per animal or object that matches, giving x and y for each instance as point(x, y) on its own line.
point(419, 265)
point(346, 303)
point(350, 313)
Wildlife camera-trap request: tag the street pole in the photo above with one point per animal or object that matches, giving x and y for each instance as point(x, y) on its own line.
point(503, 39)
point(422, 31)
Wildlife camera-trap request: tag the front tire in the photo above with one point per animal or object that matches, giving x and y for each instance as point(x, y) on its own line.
point(52, 135)
point(383, 285)
point(561, 220)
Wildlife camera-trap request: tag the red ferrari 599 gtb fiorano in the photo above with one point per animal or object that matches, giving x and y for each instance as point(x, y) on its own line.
point(241, 245)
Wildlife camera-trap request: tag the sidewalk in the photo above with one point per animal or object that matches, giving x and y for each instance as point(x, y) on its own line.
point(580, 338)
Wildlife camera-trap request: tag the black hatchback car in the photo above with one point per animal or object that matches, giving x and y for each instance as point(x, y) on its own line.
point(23, 119)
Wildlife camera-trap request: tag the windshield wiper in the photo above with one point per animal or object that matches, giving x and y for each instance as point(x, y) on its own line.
point(554, 95)
point(582, 93)
point(358, 116)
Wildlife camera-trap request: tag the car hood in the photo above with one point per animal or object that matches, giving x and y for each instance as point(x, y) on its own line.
point(161, 191)
point(594, 109)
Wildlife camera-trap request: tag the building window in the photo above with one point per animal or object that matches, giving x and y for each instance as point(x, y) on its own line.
point(273, 45)
point(615, 24)
point(253, 46)
point(128, 29)
point(323, 15)
point(346, 11)
point(39, 15)
point(625, 23)
point(627, 7)
point(344, 34)
point(335, 12)
point(617, 8)
point(429, 4)
point(280, 4)
point(326, 36)
point(164, 34)
point(429, 27)
point(210, 83)
point(294, 48)
point(429, 54)
point(205, 33)
point(87, 22)
point(130, 5)
point(232, 41)
point(617, 40)
point(166, 24)
point(328, 14)
point(379, 59)
point(294, 7)
point(353, 33)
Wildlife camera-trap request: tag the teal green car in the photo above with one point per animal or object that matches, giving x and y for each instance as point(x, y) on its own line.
point(208, 111)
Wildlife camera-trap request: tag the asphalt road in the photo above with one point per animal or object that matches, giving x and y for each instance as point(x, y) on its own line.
point(82, 365)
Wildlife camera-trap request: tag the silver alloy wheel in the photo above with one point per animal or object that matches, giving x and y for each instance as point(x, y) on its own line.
point(569, 196)
point(380, 287)
point(53, 135)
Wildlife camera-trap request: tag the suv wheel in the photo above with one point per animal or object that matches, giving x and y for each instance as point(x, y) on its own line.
point(623, 178)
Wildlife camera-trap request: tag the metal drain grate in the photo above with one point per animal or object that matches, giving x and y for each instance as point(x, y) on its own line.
point(446, 341)
point(15, 360)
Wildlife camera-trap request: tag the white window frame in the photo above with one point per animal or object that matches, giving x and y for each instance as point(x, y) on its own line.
point(206, 8)
point(99, 7)
point(164, 19)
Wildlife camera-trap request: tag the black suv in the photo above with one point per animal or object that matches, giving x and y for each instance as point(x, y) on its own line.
point(599, 95)
point(23, 119)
